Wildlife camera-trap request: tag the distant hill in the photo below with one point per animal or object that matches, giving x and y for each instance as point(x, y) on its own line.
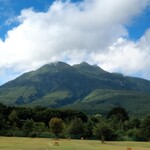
point(82, 86)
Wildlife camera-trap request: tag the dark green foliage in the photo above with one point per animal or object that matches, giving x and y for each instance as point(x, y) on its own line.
point(102, 131)
point(14, 121)
point(39, 127)
point(96, 118)
point(133, 123)
point(119, 114)
point(13, 118)
point(76, 128)
point(56, 126)
point(134, 134)
point(2, 122)
point(145, 128)
point(88, 129)
point(28, 126)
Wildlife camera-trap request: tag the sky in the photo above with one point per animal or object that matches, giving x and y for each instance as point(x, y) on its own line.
point(113, 34)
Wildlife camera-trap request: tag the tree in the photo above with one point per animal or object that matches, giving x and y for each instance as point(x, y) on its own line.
point(39, 127)
point(145, 128)
point(76, 129)
point(88, 131)
point(2, 122)
point(102, 131)
point(28, 126)
point(97, 118)
point(133, 123)
point(134, 134)
point(13, 118)
point(118, 113)
point(56, 126)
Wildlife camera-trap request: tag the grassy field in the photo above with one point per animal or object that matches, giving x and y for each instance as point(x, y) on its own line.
point(11, 143)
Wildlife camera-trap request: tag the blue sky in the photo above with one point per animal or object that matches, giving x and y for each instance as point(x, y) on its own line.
point(12, 8)
point(113, 34)
point(139, 25)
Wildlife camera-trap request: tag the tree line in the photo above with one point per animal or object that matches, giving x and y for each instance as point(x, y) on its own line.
point(67, 123)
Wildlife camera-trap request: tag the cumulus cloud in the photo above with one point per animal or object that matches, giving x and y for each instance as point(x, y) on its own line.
point(91, 30)
point(131, 58)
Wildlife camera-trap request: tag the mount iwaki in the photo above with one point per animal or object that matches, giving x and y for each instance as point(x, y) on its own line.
point(83, 87)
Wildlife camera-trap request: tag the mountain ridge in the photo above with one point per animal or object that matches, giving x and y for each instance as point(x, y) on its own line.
point(62, 85)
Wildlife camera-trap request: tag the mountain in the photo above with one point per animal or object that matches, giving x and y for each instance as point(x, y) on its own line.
point(83, 86)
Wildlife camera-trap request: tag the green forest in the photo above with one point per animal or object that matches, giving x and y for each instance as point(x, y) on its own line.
point(67, 123)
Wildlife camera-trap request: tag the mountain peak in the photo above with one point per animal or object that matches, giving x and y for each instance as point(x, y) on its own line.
point(84, 63)
point(89, 69)
point(54, 67)
point(80, 86)
point(58, 63)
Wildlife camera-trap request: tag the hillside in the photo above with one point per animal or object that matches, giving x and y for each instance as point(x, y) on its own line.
point(79, 86)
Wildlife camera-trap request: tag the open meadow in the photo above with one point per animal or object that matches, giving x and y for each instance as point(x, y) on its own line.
point(13, 143)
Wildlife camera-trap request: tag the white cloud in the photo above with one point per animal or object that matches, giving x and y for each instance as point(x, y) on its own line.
point(131, 58)
point(75, 32)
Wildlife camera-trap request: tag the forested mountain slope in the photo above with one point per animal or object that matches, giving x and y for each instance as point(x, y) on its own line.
point(79, 86)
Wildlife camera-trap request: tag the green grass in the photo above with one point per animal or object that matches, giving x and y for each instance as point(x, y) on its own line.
point(10, 95)
point(51, 98)
point(102, 101)
point(13, 143)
